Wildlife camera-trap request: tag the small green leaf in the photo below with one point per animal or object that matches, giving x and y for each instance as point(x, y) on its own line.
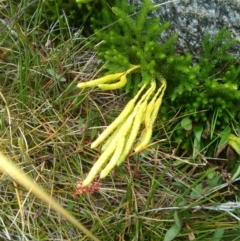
point(55, 75)
point(197, 140)
point(197, 191)
point(196, 148)
point(178, 219)
point(179, 185)
point(186, 124)
point(225, 137)
point(62, 79)
point(180, 202)
point(218, 234)
point(198, 132)
point(236, 171)
point(81, 121)
point(94, 132)
point(172, 232)
point(211, 173)
point(215, 181)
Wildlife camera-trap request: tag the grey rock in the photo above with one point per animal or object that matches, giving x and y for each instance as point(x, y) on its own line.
point(191, 19)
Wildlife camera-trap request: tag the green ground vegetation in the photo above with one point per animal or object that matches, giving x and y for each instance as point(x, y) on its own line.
point(184, 186)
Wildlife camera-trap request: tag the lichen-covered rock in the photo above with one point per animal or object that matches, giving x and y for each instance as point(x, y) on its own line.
point(191, 19)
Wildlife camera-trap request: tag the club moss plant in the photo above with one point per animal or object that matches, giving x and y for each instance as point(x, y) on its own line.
point(132, 50)
point(138, 62)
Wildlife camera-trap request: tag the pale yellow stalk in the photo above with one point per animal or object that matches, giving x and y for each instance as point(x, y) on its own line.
point(123, 115)
point(133, 133)
point(106, 79)
point(105, 156)
point(114, 159)
point(149, 119)
point(140, 110)
point(118, 85)
point(119, 132)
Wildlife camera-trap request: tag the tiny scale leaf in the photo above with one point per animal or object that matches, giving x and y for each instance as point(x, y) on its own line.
point(186, 124)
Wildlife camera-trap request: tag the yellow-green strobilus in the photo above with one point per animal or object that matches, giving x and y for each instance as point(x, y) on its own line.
point(119, 138)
